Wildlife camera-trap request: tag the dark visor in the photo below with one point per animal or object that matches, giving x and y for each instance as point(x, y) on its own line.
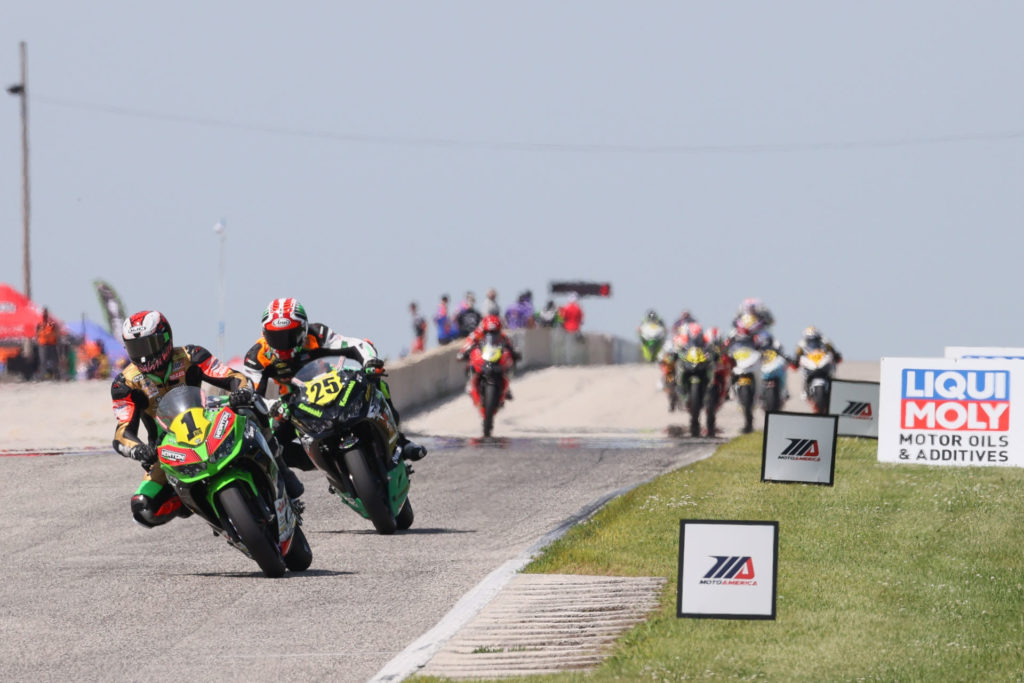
point(283, 340)
point(145, 347)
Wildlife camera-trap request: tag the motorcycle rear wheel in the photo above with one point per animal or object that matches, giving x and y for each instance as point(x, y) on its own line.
point(371, 490)
point(491, 397)
point(405, 516)
point(300, 555)
point(238, 512)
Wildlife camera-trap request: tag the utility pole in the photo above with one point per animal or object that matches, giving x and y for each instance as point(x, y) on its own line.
point(21, 90)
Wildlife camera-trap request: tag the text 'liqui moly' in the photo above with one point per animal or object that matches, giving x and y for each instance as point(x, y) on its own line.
point(962, 400)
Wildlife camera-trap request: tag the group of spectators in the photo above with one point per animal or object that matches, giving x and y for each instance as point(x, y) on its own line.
point(53, 355)
point(457, 323)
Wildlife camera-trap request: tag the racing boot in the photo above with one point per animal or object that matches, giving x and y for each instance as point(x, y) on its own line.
point(292, 484)
point(410, 450)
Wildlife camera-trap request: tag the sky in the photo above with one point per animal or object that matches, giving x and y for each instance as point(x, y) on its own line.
point(858, 166)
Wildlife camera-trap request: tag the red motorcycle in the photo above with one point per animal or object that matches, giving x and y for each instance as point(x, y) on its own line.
point(490, 361)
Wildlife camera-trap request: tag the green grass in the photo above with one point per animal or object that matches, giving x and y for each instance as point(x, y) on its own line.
point(897, 573)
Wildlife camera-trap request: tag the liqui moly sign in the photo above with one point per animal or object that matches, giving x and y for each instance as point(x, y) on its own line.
point(953, 400)
point(951, 411)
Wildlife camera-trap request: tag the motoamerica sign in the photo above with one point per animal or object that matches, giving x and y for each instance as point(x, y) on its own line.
point(951, 412)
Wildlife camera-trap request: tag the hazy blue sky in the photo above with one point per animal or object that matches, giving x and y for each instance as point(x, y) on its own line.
point(858, 165)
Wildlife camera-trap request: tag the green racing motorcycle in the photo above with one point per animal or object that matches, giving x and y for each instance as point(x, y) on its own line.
point(220, 463)
point(350, 434)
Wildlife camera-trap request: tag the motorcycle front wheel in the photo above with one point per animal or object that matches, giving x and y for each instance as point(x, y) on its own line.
point(491, 398)
point(371, 490)
point(694, 404)
point(745, 394)
point(240, 514)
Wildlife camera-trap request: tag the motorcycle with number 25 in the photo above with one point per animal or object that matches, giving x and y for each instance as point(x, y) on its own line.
point(350, 434)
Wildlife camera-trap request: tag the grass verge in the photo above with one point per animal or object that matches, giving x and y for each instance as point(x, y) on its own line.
point(897, 573)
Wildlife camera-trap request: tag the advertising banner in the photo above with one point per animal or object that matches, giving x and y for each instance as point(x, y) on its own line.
point(727, 569)
point(856, 405)
point(940, 411)
point(993, 352)
point(799, 448)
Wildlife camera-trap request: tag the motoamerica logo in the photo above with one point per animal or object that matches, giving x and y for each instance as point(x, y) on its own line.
point(860, 410)
point(801, 449)
point(730, 570)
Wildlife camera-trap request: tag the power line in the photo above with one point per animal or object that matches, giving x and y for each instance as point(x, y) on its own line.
point(500, 145)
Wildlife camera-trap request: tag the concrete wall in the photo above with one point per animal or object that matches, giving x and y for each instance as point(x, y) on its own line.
point(426, 377)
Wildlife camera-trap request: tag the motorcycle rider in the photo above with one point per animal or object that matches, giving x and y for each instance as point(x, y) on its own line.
point(762, 317)
point(288, 342)
point(813, 339)
point(156, 367)
point(491, 324)
point(651, 316)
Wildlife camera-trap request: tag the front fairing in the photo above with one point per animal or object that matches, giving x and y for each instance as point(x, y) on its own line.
point(330, 401)
point(204, 449)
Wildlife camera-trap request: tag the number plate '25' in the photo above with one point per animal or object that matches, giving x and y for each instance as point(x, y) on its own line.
point(324, 388)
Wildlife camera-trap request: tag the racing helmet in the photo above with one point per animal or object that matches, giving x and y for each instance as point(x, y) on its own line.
point(812, 333)
point(148, 340)
point(651, 315)
point(712, 334)
point(285, 326)
point(695, 333)
point(746, 324)
point(491, 323)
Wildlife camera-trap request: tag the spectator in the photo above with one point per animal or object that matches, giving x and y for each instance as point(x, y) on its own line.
point(548, 317)
point(446, 330)
point(468, 317)
point(419, 328)
point(47, 336)
point(491, 306)
point(572, 315)
point(520, 314)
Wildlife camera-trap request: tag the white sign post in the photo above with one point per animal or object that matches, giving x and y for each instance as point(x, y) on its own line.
point(856, 405)
point(727, 569)
point(941, 411)
point(799, 448)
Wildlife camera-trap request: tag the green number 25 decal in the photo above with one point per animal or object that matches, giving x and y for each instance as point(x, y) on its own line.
point(324, 389)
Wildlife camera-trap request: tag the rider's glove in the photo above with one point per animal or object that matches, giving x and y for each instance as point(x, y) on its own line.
point(461, 355)
point(240, 397)
point(279, 408)
point(144, 453)
point(374, 368)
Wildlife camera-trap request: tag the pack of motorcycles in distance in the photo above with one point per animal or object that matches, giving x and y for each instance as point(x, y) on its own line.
point(700, 368)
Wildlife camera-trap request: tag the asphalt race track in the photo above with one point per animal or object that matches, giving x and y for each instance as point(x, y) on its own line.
point(88, 595)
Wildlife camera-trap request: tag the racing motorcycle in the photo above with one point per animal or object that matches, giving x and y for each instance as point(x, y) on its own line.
point(652, 338)
point(746, 359)
point(221, 466)
point(349, 432)
point(695, 380)
point(488, 365)
point(818, 365)
point(773, 380)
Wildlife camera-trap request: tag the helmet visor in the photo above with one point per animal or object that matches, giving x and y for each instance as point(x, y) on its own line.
point(145, 347)
point(283, 340)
